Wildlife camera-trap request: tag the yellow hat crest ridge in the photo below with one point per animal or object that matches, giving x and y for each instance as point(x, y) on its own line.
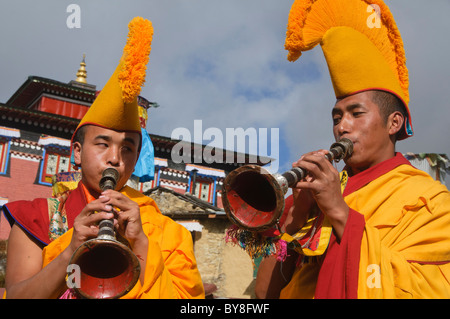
point(116, 106)
point(360, 56)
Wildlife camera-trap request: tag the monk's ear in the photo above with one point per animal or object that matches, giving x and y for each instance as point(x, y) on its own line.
point(395, 122)
point(76, 149)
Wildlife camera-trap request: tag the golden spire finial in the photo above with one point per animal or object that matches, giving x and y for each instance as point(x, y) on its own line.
point(82, 73)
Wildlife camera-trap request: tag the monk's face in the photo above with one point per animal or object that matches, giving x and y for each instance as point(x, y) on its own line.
point(359, 119)
point(103, 148)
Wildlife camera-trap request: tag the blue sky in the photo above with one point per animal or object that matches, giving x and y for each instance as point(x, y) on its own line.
point(223, 62)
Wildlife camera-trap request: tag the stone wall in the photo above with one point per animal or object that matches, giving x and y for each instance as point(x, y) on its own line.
point(222, 264)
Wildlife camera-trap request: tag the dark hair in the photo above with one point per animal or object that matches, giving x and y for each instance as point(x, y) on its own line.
point(388, 104)
point(79, 135)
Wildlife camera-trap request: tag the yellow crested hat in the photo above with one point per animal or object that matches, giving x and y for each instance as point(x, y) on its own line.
point(116, 105)
point(361, 44)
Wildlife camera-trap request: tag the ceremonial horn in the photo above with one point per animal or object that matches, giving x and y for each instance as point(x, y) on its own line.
point(253, 199)
point(108, 268)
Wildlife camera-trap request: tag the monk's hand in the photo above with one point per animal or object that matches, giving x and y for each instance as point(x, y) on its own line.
point(323, 182)
point(128, 215)
point(299, 212)
point(85, 225)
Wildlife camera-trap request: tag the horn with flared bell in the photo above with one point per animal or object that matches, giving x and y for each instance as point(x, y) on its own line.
point(253, 199)
point(108, 268)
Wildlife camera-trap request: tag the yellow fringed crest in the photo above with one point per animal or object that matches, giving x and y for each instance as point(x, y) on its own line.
point(116, 106)
point(136, 56)
point(309, 20)
point(361, 42)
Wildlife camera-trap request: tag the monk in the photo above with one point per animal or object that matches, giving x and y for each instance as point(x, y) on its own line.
point(380, 228)
point(46, 232)
point(391, 229)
